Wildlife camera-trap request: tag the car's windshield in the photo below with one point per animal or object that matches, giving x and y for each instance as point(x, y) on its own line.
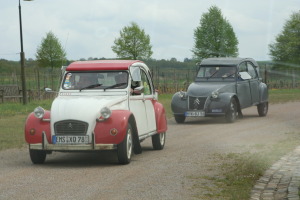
point(95, 80)
point(216, 71)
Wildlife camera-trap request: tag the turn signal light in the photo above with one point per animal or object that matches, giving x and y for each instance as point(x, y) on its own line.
point(113, 132)
point(32, 131)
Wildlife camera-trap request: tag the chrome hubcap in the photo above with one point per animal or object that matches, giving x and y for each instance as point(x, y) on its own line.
point(129, 144)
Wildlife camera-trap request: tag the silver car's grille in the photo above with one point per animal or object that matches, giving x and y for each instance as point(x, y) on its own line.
point(70, 127)
point(196, 103)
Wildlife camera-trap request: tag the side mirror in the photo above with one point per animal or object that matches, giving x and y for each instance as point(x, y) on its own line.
point(138, 90)
point(49, 90)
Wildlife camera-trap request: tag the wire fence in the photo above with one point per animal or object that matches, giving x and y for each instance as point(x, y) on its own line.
point(166, 80)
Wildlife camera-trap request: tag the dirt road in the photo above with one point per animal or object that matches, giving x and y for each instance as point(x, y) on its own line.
point(166, 174)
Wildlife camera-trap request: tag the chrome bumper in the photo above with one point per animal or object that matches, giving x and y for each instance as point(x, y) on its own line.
point(45, 145)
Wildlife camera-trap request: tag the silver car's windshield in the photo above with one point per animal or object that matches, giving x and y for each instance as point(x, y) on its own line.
point(95, 80)
point(216, 72)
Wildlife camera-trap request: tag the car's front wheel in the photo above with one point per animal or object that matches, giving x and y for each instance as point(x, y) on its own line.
point(262, 109)
point(125, 148)
point(158, 141)
point(231, 114)
point(37, 156)
point(179, 118)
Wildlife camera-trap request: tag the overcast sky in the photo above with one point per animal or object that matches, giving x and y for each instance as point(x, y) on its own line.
point(88, 28)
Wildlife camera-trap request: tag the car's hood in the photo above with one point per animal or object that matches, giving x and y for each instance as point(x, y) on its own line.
point(204, 88)
point(84, 108)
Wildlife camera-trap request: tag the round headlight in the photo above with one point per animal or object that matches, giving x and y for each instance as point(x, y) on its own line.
point(182, 94)
point(215, 94)
point(39, 112)
point(105, 112)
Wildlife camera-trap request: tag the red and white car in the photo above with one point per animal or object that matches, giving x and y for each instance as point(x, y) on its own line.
point(101, 105)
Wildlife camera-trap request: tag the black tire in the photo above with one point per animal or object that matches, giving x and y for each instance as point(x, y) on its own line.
point(158, 141)
point(231, 114)
point(125, 148)
point(37, 156)
point(262, 109)
point(179, 118)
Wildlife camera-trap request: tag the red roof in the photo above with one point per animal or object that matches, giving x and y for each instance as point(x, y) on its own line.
point(95, 65)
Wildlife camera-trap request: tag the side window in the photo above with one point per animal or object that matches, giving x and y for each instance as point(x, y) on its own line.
point(251, 70)
point(146, 83)
point(243, 67)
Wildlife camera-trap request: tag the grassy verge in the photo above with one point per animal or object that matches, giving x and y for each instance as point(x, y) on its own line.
point(284, 95)
point(241, 170)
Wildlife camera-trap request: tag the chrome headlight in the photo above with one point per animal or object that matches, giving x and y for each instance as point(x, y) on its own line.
point(215, 94)
point(39, 112)
point(182, 94)
point(105, 112)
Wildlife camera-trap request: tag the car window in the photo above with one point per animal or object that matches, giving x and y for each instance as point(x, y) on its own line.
point(243, 67)
point(101, 80)
point(216, 71)
point(251, 70)
point(146, 83)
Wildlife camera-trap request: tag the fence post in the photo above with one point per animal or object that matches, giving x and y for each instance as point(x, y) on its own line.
point(266, 74)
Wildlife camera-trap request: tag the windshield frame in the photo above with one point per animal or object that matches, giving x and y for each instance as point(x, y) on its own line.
point(216, 73)
point(99, 80)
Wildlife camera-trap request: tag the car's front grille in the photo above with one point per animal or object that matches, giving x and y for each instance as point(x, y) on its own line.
point(196, 103)
point(70, 127)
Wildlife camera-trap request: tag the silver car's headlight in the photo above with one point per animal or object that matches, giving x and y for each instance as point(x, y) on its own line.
point(182, 94)
point(105, 112)
point(39, 112)
point(215, 94)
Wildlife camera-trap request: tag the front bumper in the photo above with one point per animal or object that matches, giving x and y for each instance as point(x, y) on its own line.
point(45, 145)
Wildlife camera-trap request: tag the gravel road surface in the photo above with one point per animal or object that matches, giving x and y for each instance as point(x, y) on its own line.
point(166, 174)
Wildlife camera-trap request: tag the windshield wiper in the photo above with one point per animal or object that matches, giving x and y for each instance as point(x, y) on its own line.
point(115, 85)
point(229, 75)
point(90, 87)
point(212, 75)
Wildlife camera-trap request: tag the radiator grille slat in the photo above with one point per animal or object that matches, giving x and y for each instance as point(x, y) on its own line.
point(70, 127)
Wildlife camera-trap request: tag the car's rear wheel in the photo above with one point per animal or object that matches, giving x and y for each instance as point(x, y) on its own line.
point(37, 156)
point(231, 114)
point(179, 118)
point(125, 148)
point(158, 141)
point(262, 109)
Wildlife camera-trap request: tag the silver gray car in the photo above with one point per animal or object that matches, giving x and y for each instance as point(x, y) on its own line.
point(222, 87)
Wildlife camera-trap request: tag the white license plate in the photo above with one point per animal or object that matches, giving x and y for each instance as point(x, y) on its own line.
point(70, 139)
point(195, 114)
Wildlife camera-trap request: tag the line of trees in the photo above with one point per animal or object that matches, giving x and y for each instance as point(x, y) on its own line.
point(214, 37)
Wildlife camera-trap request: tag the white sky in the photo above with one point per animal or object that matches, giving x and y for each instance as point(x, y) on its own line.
point(87, 28)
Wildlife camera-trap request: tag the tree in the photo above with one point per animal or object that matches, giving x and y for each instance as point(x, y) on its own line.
point(286, 49)
point(214, 37)
point(50, 53)
point(133, 43)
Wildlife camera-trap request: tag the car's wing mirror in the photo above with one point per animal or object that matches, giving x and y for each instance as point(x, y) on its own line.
point(245, 75)
point(49, 90)
point(138, 90)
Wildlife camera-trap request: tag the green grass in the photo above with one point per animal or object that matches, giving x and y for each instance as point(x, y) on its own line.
point(14, 108)
point(12, 131)
point(284, 95)
point(241, 170)
point(165, 99)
